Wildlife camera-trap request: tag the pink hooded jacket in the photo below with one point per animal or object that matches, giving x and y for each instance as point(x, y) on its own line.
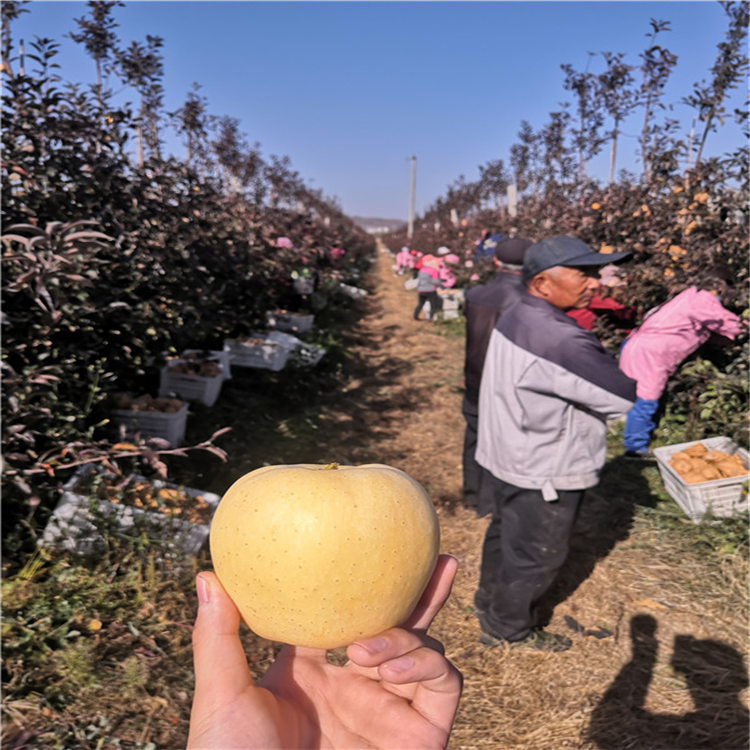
point(669, 334)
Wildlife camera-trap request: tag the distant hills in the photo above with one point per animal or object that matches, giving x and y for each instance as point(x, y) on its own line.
point(378, 226)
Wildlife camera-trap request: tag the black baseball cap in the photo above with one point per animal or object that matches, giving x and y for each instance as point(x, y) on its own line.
point(564, 251)
point(512, 249)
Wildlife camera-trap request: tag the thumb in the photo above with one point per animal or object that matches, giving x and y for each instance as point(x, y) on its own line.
point(221, 671)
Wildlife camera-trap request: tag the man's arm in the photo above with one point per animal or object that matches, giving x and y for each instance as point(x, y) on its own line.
point(579, 370)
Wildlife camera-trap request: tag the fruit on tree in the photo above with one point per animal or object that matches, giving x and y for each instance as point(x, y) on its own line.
point(321, 556)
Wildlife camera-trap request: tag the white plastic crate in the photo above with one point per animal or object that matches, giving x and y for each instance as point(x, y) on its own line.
point(170, 427)
point(306, 354)
point(269, 355)
point(287, 321)
point(452, 298)
point(309, 354)
point(303, 285)
point(427, 311)
point(190, 387)
point(722, 496)
point(451, 303)
point(352, 291)
point(214, 355)
point(287, 340)
point(72, 528)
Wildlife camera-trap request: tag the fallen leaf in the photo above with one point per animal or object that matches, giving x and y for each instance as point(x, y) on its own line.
point(573, 624)
point(124, 447)
point(600, 634)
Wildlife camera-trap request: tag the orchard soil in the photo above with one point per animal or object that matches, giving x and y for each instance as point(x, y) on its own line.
point(659, 628)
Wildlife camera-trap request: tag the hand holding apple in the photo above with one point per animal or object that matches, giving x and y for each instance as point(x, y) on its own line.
point(320, 557)
point(397, 690)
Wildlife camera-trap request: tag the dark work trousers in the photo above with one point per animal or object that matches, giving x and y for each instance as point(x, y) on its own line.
point(525, 545)
point(433, 298)
point(478, 483)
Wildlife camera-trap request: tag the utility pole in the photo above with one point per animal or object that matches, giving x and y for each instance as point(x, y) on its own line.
point(412, 196)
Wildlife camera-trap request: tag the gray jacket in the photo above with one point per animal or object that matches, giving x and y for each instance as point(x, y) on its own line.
point(427, 283)
point(548, 388)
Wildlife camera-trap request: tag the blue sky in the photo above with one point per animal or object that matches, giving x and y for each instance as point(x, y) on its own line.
point(349, 90)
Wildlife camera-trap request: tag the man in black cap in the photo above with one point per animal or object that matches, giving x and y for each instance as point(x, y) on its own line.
point(548, 388)
point(488, 244)
point(483, 306)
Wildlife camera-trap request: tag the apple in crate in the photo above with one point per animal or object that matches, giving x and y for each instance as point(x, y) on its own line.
point(322, 555)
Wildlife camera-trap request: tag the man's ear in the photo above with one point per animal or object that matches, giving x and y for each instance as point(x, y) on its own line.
point(539, 285)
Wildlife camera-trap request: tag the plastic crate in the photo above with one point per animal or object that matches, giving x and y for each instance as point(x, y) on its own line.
point(303, 285)
point(214, 355)
point(309, 355)
point(452, 298)
point(352, 291)
point(170, 427)
point(72, 528)
point(269, 355)
point(287, 321)
point(451, 303)
point(305, 354)
point(721, 496)
point(287, 340)
point(190, 387)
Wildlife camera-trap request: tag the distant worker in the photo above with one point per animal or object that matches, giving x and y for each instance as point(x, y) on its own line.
point(404, 261)
point(604, 305)
point(447, 264)
point(337, 252)
point(487, 244)
point(483, 306)
point(670, 333)
point(428, 284)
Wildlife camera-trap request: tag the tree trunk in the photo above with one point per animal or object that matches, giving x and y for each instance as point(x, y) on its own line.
point(703, 139)
point(139, 137)
point(644, 143)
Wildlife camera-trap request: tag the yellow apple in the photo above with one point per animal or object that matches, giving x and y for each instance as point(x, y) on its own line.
point(320, 556)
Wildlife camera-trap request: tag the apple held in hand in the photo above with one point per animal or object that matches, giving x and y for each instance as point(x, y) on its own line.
point(320, 556)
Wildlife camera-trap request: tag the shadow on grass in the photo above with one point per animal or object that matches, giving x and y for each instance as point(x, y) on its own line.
point(714, 674)
point(605, 519)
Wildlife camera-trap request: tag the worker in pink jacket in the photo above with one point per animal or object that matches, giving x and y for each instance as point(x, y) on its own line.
point(404, 260)
point(652, 352)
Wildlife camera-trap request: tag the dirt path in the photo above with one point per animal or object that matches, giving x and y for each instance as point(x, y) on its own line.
point(691, 633)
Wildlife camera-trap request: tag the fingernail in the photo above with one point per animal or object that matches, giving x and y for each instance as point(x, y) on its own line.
point(401, 664)
point(203, 590)
point(374, 645)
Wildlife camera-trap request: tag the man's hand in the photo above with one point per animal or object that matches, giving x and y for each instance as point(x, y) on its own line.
point(396, 691)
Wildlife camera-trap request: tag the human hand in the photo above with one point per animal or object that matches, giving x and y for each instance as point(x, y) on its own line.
point(396, 691)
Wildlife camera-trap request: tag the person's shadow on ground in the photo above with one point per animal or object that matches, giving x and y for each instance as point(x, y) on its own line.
point(715, 675)
point(605, 518)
